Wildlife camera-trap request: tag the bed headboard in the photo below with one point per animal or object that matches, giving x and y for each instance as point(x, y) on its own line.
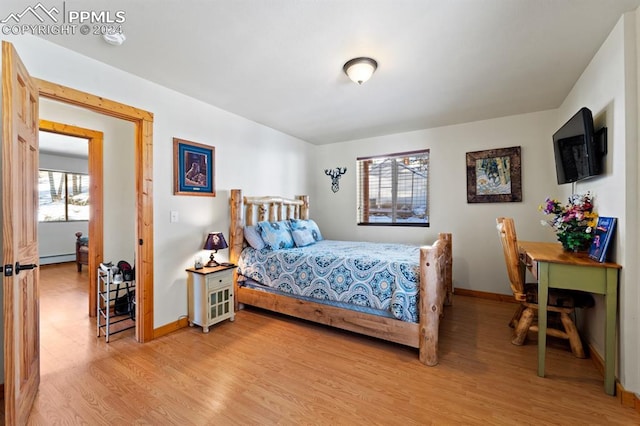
point(251, 210)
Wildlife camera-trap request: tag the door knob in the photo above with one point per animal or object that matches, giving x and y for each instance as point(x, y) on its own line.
point(20, 267)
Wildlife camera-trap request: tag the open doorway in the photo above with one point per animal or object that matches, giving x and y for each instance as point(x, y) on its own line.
point(143, 172)
point(112, 189)
point(63, 197)
point(71, 190)
point(80, 168)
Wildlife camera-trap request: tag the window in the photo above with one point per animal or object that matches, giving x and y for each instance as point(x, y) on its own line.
point(63, 197)
point(393, 189)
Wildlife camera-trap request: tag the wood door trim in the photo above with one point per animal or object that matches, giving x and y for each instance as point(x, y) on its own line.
point(96, 194)
point(92, 102)
point(143, 121)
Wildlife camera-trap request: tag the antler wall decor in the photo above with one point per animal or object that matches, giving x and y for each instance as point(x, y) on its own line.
point(335, 175)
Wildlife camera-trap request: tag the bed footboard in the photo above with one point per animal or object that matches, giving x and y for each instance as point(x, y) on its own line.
point(435, 292)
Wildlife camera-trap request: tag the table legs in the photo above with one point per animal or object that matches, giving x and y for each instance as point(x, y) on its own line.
point(611, 301)
point(543, 296)
point(611, 305)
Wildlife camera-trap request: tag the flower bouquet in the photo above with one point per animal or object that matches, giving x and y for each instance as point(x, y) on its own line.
point(573, 222)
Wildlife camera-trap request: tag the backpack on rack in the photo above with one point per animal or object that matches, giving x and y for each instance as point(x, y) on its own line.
point(128, 272)
point(125, 303)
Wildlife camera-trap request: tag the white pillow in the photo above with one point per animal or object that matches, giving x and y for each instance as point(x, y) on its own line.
point(252, 235)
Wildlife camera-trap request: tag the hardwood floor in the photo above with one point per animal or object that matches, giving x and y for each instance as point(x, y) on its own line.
point(263, 369)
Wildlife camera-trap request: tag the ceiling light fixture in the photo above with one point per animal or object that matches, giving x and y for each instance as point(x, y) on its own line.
point(115, 39)
point(360, 70)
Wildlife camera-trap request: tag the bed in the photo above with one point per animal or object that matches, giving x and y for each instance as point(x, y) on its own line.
point(408, 314)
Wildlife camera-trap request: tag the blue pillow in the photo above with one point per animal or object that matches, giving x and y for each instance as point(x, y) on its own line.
point(252, 235)
point(309, 224)
point(276, 235)
point(302, 237)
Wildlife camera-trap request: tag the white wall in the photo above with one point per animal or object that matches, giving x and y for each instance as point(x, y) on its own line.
point(57, 240)
point(608, 87)
point(478, 260)
point(248, 155)
point(118, 180)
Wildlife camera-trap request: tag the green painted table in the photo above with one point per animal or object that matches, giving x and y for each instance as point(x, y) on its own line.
point(554, 267)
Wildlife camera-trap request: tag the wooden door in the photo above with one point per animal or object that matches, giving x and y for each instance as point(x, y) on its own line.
point(19, 237)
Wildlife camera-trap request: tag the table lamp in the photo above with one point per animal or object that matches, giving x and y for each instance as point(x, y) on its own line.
point(215, 241)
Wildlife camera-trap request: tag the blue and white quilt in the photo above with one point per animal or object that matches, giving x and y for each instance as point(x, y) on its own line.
point(374, 275)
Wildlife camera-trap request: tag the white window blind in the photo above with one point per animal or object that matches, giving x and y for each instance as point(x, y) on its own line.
point(393, 189)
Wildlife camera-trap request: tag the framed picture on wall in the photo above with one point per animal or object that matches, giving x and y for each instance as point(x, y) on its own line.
point(494, 176)
point(193, 168)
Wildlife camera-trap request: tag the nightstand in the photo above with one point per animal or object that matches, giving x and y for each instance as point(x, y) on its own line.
point(210, 292)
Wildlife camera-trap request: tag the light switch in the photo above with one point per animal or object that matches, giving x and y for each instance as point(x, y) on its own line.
point(174, 216)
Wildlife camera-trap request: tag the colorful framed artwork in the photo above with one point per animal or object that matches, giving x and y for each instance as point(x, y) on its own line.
point(193, 168)
point(602, 238)
point(494, 176)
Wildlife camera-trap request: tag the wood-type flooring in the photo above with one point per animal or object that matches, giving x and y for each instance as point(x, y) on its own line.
point(266, 369)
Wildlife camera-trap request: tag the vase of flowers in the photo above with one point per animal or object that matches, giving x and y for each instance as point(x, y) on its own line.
point(573, 222)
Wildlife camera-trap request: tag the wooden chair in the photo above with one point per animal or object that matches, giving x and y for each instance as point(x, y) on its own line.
point(561, 302)
point(82, 250)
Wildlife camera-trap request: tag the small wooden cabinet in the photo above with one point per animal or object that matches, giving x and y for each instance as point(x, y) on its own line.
point(210, 292)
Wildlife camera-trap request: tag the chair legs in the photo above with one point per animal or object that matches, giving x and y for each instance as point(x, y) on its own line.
point(516, 317)
point(523, 323)
point(522, 327)
point(574, 337)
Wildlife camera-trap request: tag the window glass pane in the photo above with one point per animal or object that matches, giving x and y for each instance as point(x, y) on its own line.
point(51, 193)
point(393, 189)
point(381, 190)
point(63, 196)
point(78, 190)
point(412, 189)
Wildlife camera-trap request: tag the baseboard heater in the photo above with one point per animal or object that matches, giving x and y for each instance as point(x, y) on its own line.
point(57, 258)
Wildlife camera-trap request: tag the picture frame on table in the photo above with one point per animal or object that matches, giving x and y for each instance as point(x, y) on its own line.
point(193, 168)
point(494, 175)
point(602, 237)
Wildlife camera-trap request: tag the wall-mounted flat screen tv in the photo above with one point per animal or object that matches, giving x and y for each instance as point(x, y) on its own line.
point(578, 148)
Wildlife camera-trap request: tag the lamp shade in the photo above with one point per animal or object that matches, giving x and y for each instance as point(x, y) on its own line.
point(215, 241)
point(360, 70)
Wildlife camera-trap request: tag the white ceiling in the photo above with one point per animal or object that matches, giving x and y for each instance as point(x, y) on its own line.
point(279, 62)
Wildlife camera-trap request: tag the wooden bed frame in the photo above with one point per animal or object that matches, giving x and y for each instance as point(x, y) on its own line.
point(435, 282)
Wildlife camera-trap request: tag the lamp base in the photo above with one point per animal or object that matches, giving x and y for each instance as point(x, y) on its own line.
point(212, 262)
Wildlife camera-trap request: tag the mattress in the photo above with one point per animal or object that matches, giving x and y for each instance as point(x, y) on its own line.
point(368, 276)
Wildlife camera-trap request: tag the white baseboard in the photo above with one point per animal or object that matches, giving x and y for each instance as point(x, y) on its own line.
point(60, 258)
